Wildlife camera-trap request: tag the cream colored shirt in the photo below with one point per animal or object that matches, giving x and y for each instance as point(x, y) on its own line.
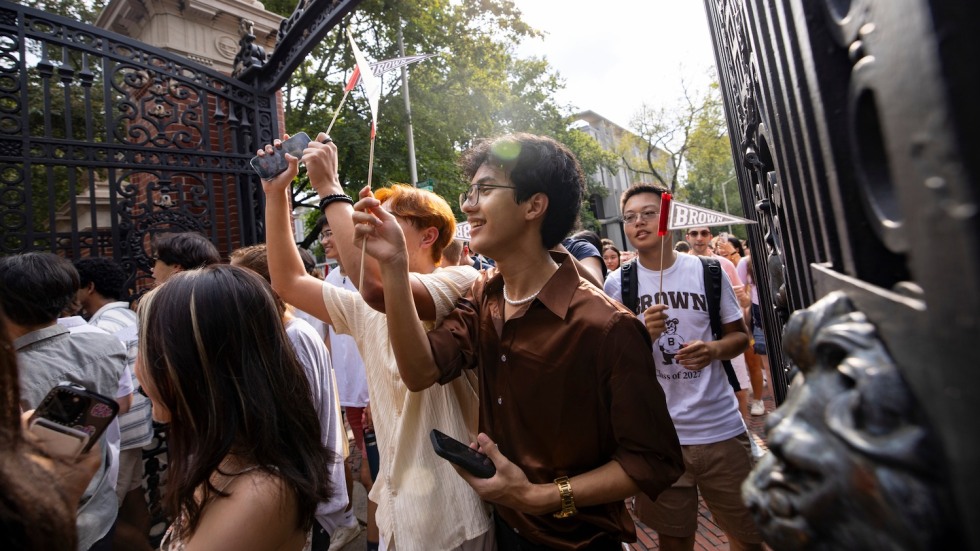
point(422, 503)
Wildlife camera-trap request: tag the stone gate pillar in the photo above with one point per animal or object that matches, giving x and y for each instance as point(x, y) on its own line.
point(206, 31)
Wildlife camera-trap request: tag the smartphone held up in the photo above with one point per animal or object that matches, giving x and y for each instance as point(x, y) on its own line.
point(271, 165)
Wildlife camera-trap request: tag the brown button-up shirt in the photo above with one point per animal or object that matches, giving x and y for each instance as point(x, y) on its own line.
point(566, 385)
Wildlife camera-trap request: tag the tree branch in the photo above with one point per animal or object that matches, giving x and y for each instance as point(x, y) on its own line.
point(653, 172)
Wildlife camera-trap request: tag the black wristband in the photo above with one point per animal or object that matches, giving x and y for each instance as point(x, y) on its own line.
point(334, 198)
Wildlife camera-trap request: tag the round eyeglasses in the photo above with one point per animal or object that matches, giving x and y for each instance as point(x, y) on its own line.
point(473, 193)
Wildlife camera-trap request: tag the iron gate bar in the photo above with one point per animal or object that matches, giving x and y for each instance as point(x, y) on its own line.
point(298, 35)
point(854, 126)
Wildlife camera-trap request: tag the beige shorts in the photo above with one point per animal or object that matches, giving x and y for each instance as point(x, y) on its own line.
point(717, 470)
point(130, 472)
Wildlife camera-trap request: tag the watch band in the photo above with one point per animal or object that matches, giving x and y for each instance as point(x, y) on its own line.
point(567, 499)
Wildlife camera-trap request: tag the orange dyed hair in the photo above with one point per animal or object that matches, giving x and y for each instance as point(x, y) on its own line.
point(423, 209)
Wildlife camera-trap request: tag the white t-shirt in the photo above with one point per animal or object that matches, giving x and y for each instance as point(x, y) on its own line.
point(422, 503)
point(701, 403)
point(347, 363)
point(315, 359)
point(316, 323)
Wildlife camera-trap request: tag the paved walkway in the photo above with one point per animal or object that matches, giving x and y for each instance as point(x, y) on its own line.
point(709, 535)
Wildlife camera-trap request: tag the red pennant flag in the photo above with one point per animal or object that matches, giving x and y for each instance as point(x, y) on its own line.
point(372, 130)
point(355, 76)
point(664, 213)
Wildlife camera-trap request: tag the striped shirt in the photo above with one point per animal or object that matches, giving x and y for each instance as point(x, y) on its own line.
point(118, 320)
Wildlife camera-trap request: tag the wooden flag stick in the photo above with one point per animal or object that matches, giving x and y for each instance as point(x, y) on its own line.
point(360, 280)
point(662, 241)
point(337, 112)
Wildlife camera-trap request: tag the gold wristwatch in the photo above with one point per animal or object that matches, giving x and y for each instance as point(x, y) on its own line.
point(567, 500)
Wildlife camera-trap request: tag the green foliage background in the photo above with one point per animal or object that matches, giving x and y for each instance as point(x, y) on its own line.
point(475, 88)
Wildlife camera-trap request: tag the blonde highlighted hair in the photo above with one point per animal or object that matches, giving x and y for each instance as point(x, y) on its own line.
point(423, 209)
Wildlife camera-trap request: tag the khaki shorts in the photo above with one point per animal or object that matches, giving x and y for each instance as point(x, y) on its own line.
point(718, 470)
point(130, 472)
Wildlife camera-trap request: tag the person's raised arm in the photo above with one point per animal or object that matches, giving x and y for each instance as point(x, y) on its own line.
point(321, 167)
point(386, 243)
point(289, 277)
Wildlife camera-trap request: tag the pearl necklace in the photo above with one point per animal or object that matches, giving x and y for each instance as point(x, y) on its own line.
point(525, 300)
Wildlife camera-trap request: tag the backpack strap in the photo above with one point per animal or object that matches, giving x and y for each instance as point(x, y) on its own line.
point(630, 286)
point(712, 291)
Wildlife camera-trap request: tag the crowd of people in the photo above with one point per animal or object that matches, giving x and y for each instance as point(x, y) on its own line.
point(590, 377)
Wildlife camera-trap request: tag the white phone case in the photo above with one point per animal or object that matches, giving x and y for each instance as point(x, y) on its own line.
point(58, 439)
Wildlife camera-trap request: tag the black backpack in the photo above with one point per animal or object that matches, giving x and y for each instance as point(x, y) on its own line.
point(712, 290)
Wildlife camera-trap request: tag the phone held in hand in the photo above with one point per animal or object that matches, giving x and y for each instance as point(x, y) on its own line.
point(269, 166)
point(458, 453)
point(71, 419)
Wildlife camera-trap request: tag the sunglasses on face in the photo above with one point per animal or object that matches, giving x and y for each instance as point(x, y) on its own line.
point(702, 233)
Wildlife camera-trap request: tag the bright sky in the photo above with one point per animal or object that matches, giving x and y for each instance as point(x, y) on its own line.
point(617, 54)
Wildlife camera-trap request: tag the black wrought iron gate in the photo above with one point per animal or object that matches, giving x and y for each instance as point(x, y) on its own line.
point(105, 141)
point(855, 128)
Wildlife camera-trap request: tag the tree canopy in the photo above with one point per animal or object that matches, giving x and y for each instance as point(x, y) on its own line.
point(475, 87)
point(691, 135)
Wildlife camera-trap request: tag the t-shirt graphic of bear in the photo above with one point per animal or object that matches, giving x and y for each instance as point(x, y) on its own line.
point(670, 343)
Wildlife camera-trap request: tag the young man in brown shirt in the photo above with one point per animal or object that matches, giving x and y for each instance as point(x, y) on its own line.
point(571, 413)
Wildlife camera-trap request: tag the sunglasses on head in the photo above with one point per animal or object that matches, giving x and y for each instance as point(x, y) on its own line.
point(702, 233)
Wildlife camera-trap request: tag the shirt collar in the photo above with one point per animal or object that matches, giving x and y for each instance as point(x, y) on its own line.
point(39, 335)
point(557, 293)
point(111, 306)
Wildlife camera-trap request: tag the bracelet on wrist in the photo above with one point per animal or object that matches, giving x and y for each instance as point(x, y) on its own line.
point(567, 499)
point(324, 201)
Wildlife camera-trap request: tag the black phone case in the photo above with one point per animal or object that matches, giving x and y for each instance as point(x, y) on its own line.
point(73, 406)
point(270, 166)
point(454, 451)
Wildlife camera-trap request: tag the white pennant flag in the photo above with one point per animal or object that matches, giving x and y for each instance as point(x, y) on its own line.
point(384, 66)
point(683, 215)
point(462, 231)
point(369, 83)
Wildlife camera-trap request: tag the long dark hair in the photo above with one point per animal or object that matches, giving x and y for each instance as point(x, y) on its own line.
point(34, 512)
point(736, 243)
point(213, 343)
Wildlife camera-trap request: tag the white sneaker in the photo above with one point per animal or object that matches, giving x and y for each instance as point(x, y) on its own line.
point(757, 408)
point(344, 535)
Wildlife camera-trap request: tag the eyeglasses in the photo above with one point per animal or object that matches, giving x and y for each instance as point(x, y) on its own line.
point(325, 234)
point(631, 218)
point(472, 198)
point(702, 233)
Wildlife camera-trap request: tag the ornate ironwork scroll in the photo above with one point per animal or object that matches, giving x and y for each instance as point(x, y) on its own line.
point(106, 142)
point(857, 126)
point(298, 34)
